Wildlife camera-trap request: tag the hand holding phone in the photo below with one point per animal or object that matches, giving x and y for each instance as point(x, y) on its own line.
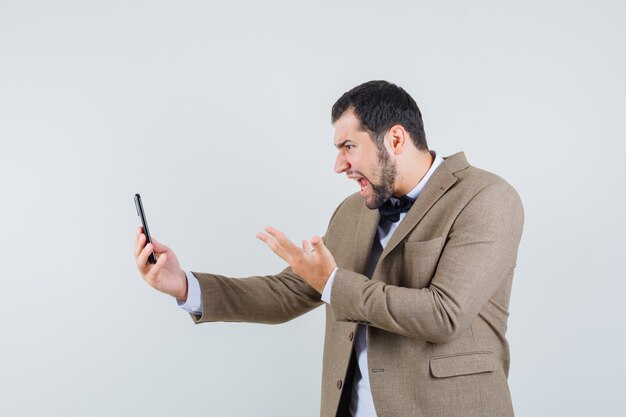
point(152, 258)
point(165, 273)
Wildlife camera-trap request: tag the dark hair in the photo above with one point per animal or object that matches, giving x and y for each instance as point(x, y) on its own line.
point(379, 105)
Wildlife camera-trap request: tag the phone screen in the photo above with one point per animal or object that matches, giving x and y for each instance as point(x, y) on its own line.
point(144, 223)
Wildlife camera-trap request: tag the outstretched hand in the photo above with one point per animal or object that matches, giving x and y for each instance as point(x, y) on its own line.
point(313, 261)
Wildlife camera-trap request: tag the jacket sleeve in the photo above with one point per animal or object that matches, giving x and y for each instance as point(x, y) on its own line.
point(479, 255)
point(261, 299)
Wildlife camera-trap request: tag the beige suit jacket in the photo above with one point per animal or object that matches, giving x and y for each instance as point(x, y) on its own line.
point(436, 307)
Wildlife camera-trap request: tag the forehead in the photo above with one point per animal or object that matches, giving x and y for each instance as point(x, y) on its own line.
point(348, 127)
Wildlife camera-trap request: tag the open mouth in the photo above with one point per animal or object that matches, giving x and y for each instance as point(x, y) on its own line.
point(362, 181)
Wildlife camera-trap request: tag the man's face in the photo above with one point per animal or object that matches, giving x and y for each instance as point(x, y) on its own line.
point(361, 160)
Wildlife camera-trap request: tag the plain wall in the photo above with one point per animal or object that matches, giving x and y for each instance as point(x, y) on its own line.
point(219, 115)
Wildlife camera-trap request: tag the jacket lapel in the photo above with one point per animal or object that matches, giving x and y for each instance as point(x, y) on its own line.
point(437, 186)
point(364, 238)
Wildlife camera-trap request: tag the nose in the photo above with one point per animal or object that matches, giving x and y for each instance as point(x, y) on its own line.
point(341, 164)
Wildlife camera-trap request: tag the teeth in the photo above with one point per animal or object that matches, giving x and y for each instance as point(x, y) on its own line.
point(362, 182)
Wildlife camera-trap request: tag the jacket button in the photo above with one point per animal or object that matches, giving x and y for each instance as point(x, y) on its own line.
point(351, 336)
point(339, 384)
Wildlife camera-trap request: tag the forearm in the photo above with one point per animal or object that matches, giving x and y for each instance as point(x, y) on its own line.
point(429, 314)
point(260, 299)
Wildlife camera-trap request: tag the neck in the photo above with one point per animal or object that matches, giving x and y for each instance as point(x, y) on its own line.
point(413, 172)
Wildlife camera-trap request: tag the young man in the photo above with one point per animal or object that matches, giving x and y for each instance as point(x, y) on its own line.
point(415, 273)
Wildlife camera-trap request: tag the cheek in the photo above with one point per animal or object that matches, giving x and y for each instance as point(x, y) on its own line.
point(360, 159)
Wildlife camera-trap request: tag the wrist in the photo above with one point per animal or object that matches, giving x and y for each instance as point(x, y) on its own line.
point(182, 297)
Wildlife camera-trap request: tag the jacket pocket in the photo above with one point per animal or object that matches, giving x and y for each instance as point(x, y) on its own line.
point(462, 364)
point(420, 262)
point(428, 246)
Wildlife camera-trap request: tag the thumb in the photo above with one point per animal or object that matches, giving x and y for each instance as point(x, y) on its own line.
point(158, 246)
point(318, 243)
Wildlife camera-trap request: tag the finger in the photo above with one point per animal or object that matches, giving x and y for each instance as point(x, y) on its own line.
point(317, 242)
point(282, 239)
point(275, 246)
point(156, 268)
point(142, 259)
point(306, 247)
point(270, 241)
point(318, 245)
point(141, 242)
point(159, 247)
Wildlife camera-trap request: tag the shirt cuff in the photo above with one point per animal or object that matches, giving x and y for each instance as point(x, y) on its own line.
point(328, 286)
point(193, 304)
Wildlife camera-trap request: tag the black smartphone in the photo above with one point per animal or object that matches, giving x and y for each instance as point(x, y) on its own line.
point(144, 223)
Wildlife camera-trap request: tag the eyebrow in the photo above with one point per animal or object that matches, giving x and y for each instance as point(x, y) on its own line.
point(342, 144)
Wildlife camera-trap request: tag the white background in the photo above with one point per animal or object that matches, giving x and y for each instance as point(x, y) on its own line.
point(219, 115)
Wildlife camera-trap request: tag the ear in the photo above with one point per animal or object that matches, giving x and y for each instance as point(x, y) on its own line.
point(397, 139)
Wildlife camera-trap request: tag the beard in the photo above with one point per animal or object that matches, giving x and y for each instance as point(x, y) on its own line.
point(387, 172)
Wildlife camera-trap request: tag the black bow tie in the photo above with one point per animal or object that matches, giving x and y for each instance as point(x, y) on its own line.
point(391, 211)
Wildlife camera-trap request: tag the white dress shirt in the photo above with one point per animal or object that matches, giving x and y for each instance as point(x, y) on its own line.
point(361, 403)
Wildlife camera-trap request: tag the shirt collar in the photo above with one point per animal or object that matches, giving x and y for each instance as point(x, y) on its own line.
point(415, 192)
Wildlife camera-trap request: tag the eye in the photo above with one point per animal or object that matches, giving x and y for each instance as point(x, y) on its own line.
point(348, 147)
